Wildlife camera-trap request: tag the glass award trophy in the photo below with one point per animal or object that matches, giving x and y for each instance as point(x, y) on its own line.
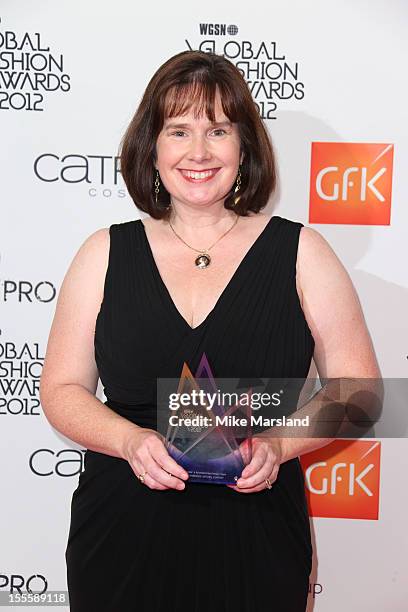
point(210, 439)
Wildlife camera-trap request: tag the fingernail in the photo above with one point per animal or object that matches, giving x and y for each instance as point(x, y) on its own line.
point(181, 486)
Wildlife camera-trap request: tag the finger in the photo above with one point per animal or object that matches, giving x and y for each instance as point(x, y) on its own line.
point(161, 476)
point(259, 477)
point(261, 486)
point(152, 483)
point(257, 461)
point(138, 469)
point(161, 456)
point(144, 462)
point(250, 490)
point(245, 449)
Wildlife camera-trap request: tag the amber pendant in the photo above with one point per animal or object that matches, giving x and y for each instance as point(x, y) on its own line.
point(203, 261)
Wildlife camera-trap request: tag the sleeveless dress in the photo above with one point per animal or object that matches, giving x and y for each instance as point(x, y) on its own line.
point(208, 547)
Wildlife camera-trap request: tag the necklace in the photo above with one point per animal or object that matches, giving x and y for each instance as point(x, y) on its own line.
point(204, 259)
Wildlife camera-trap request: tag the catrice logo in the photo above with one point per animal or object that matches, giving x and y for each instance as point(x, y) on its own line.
point(351, 183)
point(100, 174)
point(66, 463)
point(217, 29)
point(343, 479)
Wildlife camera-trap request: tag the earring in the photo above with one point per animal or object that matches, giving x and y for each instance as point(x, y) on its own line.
point(157, 185)
point(238, 187)
point(157, 188)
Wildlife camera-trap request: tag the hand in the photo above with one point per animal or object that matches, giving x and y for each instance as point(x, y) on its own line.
point(265, 462)
point(146, 453)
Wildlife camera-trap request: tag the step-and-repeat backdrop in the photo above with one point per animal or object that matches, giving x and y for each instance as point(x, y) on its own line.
point(329, 81)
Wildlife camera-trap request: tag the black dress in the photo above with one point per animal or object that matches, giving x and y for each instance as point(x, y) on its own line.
point(208, 547)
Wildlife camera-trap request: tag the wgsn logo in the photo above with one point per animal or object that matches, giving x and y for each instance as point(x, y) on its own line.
point(351, 183)
point(272, 77)
point(217, 29)
point(343, 479)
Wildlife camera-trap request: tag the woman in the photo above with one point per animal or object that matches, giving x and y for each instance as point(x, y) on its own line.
point(205, 272)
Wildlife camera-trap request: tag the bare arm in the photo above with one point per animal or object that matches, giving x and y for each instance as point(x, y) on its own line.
point(70, 376)
point(343, 347)
point(343, 350)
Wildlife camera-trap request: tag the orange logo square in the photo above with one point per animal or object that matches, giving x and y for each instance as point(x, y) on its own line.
point(351, 183)
point(342, 479)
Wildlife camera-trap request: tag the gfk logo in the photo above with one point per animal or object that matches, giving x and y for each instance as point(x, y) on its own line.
point(346, 184)
point(351, 183)
point(352, 479)
point(342, 479)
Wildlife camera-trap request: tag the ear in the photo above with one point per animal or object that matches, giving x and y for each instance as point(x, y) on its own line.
point(241, 158)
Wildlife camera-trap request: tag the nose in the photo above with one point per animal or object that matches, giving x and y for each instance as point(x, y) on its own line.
point(199, 149)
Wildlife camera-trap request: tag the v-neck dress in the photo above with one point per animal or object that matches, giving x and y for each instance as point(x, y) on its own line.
point(206, 548)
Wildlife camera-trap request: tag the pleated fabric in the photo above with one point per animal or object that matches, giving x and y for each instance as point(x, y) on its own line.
point(133, 549)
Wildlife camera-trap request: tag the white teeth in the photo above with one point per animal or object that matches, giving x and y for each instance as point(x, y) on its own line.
point(197, 175)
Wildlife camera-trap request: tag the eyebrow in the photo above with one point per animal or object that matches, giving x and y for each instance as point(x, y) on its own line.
point(187, 125)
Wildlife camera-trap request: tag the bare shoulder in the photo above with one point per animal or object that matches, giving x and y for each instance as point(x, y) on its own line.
point(93, 253)
point(85, 273)
point(70, 348)
point(97, 242)
point(332, 310)
point(313, 244)
point(319, 271)
point(317, 262)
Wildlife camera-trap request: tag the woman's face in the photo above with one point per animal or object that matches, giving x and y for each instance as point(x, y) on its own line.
point(188, 147)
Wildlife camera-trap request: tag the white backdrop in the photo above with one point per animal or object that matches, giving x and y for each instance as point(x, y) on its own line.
point(71, 75)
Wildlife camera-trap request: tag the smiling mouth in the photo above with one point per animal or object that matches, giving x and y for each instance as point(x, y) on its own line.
point(194, 176)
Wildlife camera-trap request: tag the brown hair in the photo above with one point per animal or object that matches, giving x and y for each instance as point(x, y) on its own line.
point(186, 79)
